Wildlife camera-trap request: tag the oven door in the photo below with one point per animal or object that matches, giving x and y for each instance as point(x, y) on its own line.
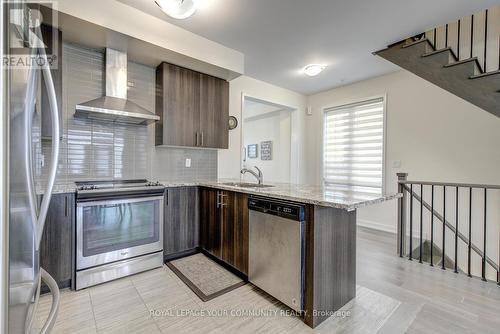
point(113, 230)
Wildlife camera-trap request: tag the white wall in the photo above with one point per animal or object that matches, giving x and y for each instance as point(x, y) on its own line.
point(436, 135)
point(274, 126)
point(229, 161)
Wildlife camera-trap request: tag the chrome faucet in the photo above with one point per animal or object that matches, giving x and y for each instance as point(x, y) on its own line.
point(258, 175)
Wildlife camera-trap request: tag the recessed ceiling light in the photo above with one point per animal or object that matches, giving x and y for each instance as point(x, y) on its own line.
point(178, 9)
point(313, 69)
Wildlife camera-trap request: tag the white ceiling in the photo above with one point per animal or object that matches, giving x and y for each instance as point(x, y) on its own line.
point(279, 37)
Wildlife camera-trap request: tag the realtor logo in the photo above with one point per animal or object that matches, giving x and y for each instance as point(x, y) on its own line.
point(33, 40)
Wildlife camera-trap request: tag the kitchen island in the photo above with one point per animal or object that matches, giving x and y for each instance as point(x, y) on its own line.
point(330, 236)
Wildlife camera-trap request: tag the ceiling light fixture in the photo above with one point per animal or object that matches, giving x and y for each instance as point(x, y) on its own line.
point(313, 69)
point(179, 9)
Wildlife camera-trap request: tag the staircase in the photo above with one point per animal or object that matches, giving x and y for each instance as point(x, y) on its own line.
point(462, 57)
point(436, 253)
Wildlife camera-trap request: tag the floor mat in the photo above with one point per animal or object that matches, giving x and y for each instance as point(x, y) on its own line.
point(206, 278)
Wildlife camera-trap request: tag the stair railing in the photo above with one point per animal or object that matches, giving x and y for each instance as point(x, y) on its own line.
point(406, 236)
point(478, 21)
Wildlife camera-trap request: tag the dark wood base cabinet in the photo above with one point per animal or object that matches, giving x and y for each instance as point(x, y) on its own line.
point(181, 227)
point(224, 226)
point(210, 227)
point(57, 244)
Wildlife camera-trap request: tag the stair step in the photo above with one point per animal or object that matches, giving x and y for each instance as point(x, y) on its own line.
point(482, 75)
point(437, 52)
point(465, 61)
point(424, 40)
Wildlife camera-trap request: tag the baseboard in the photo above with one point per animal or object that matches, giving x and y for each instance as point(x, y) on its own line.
point(389, 229)
point(376, 226)
point(62, 285)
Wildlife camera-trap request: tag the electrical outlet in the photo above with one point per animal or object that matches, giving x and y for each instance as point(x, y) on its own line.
point(188, 163)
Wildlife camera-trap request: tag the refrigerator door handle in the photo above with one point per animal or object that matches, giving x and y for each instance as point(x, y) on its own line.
point(54, 290)
point(49, 85)
point(29, 104)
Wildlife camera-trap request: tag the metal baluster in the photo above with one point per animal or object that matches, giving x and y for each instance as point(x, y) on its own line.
point(435, 38)
point(456, 230)
point(472, 36)
point(485, 39)
point(402, 213)
point(401, 221)
point(483, 271)
point(458, 40)
point(421, 219)
point(432, 226)
point(401, 229)
point(446, 37)
point(470, 234)
point(411, 222)
point(444, 227)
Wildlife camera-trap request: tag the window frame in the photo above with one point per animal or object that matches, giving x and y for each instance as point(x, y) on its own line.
point(384, 134)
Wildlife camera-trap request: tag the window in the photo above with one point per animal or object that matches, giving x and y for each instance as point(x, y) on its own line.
point(353, 146)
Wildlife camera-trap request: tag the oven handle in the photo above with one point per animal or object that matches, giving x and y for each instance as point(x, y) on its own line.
point(120, 201)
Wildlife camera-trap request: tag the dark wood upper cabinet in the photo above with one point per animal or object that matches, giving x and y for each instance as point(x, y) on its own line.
point(193, 107)
point(56, 247)
point(214, 112)
point(224, 226)
point(178, 105)
point(181, 228)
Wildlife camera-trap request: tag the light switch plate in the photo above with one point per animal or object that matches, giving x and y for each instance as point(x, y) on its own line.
point(188, 163)
point(396, 164)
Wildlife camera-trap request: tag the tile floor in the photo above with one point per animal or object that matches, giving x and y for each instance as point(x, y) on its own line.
point(394, 296)
point(158, 302)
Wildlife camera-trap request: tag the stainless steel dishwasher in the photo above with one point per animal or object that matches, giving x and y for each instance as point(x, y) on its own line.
point(276, 252)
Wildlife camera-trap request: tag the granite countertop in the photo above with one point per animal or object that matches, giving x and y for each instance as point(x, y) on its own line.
point(310, 194)
point(317, 195)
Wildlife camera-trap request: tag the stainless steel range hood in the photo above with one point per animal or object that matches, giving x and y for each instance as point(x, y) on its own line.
point(114, 106)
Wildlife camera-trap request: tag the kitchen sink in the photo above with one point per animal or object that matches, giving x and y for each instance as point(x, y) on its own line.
point(247, 185)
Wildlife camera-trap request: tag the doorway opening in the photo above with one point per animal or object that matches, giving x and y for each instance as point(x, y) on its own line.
point(266, 139)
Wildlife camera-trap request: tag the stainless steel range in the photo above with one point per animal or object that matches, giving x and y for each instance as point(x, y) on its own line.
point(119, 229)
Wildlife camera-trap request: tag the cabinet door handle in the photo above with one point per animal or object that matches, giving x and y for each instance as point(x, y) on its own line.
point(201, 138)
point(166, 197)
point(222, 195)
point(197, 134)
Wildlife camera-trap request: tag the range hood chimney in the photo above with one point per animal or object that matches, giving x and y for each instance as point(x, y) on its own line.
point(114, 106)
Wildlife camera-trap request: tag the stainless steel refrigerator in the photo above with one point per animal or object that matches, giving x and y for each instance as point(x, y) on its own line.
point(22, 216)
